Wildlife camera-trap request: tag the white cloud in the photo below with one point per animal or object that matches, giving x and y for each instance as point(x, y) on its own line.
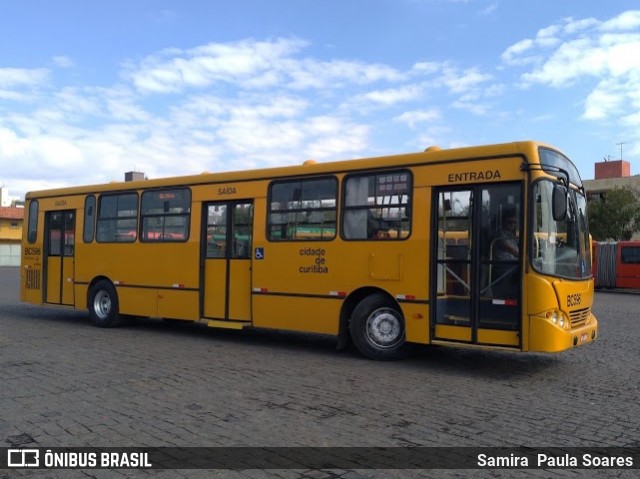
point(599, 58)
point(476, 108)
point(310, 73)
point(602, 102)
point(464, 81)
point(431, 136)
point(391, 96)
point(217, 107)
point(599, 49)
point(335, 137)
point(246, 134)
point(625, 21)
point(512, 55)
point(276, 107)
point(53, 154)
point(74, 102)
point(252, 65)
point(63, 61)
point(414, 117)
point(426, 68)
point(572, 26)
point(15, 77)
point(173, 70)
point(124, 108)
point(11, 146)
point(548, 37)
point(569, 62)
point(12, 95)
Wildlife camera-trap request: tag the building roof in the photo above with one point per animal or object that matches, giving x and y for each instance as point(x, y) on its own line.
point(9, 213)
point(605, 184)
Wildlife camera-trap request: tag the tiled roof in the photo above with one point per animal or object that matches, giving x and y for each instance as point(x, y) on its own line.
point(8, 213)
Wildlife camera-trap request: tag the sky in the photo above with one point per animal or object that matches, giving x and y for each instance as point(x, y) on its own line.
point(90, 90)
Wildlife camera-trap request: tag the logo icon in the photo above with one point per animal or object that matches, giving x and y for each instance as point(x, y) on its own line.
point(23, 458)
point(259, 254)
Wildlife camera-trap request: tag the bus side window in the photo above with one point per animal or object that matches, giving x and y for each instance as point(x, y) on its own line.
point(630, 255)
point(217, 231)
point(89, 217)
point(117, 218)
point(377, 206)
point(165, 215)
point(302, 209)
point(32, 231)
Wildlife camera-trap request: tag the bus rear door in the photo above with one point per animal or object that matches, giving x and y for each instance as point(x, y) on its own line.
point(59, 249)
point(227, 239)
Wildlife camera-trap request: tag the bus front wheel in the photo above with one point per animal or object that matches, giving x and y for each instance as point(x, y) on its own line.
point(377, 328)
point(103, 305)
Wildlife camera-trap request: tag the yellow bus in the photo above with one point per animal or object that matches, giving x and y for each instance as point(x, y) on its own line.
point(484, 246)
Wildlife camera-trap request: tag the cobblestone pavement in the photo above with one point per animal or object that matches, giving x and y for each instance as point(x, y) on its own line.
point(64, 382)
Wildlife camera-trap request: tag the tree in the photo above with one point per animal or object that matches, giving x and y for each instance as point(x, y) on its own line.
point(615, 215)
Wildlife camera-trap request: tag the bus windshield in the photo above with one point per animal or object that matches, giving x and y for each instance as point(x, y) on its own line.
point(550, 160)
point(560, 248)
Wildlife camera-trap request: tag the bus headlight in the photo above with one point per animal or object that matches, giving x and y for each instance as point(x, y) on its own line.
point(558, 318)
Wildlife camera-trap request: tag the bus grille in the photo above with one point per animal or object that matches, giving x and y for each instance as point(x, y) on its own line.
point(579, 316)
point(33, 279)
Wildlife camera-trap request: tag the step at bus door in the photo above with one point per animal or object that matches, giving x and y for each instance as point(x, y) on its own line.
point(59, 257)
point(477, 287)
point(227, 239)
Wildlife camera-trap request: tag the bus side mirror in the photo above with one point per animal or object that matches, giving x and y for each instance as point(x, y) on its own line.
point(559, 203)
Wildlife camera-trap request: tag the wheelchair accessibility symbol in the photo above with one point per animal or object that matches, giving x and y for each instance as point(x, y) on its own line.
point(259, 254)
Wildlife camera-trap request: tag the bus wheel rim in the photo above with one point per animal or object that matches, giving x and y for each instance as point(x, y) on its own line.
point(102, 304)
point(384, 328)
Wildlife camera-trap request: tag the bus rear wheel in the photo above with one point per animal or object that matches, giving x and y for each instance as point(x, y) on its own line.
point(103, 305)
point(377, 328)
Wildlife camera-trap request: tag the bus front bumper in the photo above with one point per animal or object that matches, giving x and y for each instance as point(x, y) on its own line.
point(550, 338)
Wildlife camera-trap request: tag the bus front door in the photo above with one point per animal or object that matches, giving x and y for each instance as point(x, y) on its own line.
point(59, 252)
point(227, 239)
point(477, 291)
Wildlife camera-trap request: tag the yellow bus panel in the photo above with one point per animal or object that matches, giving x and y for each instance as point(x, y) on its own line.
point(501, 338)
point(314, 315)
point(178, 304)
